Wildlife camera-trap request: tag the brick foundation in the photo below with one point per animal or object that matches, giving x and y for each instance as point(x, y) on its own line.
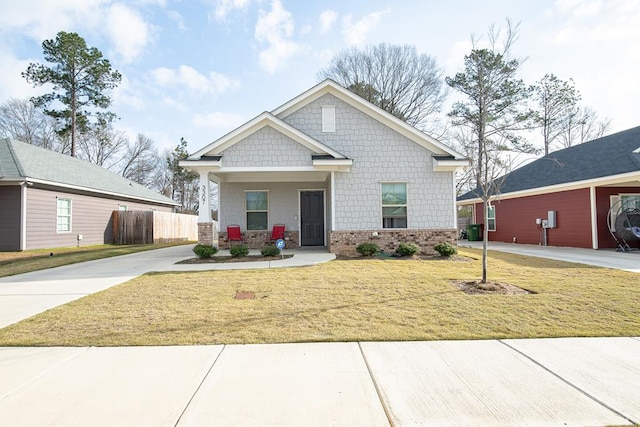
point(205, 233)
point(345, 242)
point(258, 239)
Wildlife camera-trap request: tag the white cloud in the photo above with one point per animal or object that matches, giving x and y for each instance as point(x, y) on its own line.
point(126, 94)
point(189, 78)
point(218, 120)
point(12, 84)
point(44, 19)
point(356, 33)
point(327, 19)
point(225, 7)
point(129, 33)
point(275, 28)
point(177, 18)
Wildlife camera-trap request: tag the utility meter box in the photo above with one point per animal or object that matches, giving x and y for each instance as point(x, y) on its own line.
point(551, 219)
point(545, 223)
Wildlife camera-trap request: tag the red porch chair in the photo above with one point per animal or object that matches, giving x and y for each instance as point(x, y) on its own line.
point(234, 234)
point(276, 233)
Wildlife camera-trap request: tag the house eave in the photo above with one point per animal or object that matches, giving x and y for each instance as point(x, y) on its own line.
point(449, 164)
point(621, 180)
point(96, 191)
point(336, 165)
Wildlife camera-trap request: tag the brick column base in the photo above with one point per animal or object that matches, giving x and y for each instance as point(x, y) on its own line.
point(205, 233)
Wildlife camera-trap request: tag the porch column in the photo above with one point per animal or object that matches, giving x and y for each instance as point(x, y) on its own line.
point(205, 224)
point(204, 209)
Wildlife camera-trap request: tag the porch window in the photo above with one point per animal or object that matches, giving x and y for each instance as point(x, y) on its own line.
point(63, 215)
point(257, 208)
point(491, 218)
point(394, 205)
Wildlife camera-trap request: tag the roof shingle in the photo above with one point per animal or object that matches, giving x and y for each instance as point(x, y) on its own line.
point(20, 161)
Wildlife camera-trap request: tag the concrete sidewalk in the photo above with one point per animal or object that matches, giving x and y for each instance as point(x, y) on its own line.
point(608, 258)
point(542, 382)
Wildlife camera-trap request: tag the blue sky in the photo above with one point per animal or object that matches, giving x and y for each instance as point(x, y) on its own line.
point(199, 68)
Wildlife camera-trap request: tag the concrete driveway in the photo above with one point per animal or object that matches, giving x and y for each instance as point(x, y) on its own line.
point(24, 295)
point(608, 258)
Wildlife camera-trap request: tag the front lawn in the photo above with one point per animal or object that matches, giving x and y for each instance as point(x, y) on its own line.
point(345, 300)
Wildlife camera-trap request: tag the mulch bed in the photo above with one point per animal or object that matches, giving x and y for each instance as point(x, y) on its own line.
point(220, 259)
point(420, 257)
point(475, 287)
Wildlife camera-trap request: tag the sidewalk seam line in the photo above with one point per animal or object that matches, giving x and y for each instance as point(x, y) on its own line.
point(375, 386)
point(569, 383)
point(43, 373)
point(200, 385)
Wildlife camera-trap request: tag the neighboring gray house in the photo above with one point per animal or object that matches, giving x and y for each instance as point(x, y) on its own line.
point(336, 170)
point(49, 199)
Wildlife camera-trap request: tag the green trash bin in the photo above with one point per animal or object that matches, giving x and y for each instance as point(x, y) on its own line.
point(474, 232)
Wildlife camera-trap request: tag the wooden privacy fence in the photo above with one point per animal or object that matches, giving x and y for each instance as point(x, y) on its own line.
point(140, 227)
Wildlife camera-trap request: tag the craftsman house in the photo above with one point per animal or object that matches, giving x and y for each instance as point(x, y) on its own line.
point(336, 170)
point(49, 199)
point(565, 198)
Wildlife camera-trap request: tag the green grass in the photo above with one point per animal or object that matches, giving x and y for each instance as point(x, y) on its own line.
point(350, 300)
point(39, 259)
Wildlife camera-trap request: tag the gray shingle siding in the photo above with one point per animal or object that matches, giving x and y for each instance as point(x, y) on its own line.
point(379, 154)
point(266, 148)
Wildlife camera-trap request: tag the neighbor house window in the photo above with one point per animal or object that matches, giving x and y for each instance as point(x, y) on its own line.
point(491, 218)
point(328, 119)
point(257, 210)
point(394, 205)
point(630, 201)
point(63, 215)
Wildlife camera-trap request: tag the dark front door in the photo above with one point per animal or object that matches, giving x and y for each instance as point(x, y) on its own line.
point(312, 218)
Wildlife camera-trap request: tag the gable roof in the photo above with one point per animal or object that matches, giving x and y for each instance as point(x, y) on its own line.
point(613, 155)
point(252, 126)
point(21, 162)
point(400, 126)
point(274, 119)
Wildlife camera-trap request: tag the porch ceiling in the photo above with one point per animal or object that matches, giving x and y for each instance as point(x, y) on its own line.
point(261, 176)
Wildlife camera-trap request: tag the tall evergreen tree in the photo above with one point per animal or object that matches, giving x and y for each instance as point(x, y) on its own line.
point(80, 77)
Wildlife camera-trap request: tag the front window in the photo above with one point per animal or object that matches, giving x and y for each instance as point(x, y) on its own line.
point(63, 215)
point(491, 217)
point(257, 210)
point(394, 205)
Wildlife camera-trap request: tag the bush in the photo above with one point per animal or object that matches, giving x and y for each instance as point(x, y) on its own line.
point(204, 251)
point(445, 249)
point(367, 249)
point(407, 249)
point(270, 250)
point(239, 251)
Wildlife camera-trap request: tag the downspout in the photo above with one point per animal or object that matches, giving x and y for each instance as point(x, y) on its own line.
point(594, 217)
point(23, 214)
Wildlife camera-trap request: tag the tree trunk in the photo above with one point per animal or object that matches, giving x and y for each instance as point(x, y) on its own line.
point(485, 238)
